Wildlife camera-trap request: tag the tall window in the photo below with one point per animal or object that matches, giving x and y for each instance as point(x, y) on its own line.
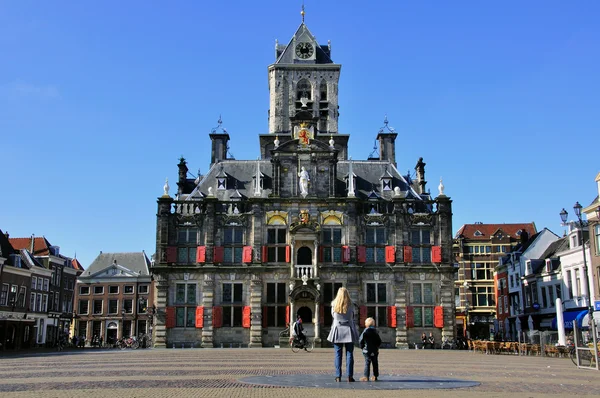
point(376, 303)
point(276, 304)
point(551, 294)
point(4, 294)
point(482, 271)
point(329, 292)
point(232, 304)
point(375, 244)
point(569, 283)
point(187, 242)
point(233, 241)
point(421, 243)
point(113, 306)
point(544, 299)
point(332, 244)
point(422, 301)
point(97, 307)
point(303, 90)
point(276, 245)
point(83, 307)
point(484, 297)
point(32, 303)
point(128, 306)
point(185, 305)
point(22, 296)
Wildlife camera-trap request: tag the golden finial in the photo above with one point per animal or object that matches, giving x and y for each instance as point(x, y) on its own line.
point(302, 12)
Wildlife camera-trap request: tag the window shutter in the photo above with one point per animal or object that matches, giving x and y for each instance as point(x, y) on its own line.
point(219, 253)
point(199, 317)
point(246, 317)
point(287, 315)
point(217, 317)
point(390, 254)
point(438, 316)
point(362, 315)
point(201, 254)
point(391, 310)
point(410, 317)
point(407, 254)
point(247, 254)
point(288, 254)
point(171, 254)
point(362, 254)
point(263, 257)
point(436, 254)
point(345, 254)
point(170, 317)
point(265, 321)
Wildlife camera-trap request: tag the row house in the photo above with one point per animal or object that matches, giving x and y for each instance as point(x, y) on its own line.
point(53, 287)
point(245, 249)
point(114, 298)
point(477, 249)
point(592, 212)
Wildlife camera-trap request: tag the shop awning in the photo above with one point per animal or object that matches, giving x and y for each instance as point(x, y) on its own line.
point(570, 317)
point(585, 322)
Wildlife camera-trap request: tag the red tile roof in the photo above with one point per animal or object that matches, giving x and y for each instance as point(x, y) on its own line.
point(487, 230)
point(40, 248)
point(76, 264)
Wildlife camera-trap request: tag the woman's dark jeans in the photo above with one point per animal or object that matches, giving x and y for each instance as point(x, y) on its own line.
point(349, 359)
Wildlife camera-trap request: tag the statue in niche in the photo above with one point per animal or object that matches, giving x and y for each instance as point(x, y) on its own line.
point(304, 179)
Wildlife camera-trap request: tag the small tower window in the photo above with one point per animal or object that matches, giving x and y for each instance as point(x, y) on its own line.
point(303, 90)
point(323, 90)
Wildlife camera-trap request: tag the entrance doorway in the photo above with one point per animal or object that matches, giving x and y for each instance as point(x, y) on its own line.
point(111, 333)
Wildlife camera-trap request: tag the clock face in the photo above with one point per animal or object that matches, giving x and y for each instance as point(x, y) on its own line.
point(304, 50)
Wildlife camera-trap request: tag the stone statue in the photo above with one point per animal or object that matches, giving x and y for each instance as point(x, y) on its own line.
point(166, 188)
point(304, 179)
point(441, 187)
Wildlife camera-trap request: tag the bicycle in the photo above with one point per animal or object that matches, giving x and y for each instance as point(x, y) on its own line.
point(298, 345)
point(586, 357)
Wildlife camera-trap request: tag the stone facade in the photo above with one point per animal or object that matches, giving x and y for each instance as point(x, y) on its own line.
point(244, 249)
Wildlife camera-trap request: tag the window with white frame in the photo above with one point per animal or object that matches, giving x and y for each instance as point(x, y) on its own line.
point(483, 296)
point(83, 290)
point(32, 302)
point(143, 289)
point(422, 301)
point(98, 289)
point(232, 304)
point(276, 304)
point(597, 238)
point(4, 294)
point(233, 241)
point(97, 307)
point(551, 296)
point(506, 304)
point(46, 285)
point(128, 289)
point(22, 296)
point(482, 271)
point(185, 304)
point(376, 301)
point(113, 306)
point(113, 289)
point(420, 240)
point(128, 306)
point(33, 283)
point(569, 284)
point(84, 307)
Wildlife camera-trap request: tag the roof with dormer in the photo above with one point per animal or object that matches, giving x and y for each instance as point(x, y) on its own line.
point(137, 263)
point(286, 53)
point(483, 232)
point(41, 246)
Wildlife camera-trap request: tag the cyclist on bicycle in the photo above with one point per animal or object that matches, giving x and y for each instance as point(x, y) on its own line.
point(298, 331)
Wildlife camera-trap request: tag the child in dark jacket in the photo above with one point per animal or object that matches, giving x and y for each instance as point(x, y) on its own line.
point(369, 342)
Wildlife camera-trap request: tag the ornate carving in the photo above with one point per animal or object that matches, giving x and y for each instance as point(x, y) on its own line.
point(375, 219)
point(421, 218)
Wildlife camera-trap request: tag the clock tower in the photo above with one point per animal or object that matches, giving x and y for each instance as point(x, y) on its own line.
point(303, 87)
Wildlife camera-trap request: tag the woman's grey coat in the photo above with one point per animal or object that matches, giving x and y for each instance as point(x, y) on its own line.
point(343, 329)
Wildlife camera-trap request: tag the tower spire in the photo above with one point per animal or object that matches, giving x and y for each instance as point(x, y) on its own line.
point(302, 12)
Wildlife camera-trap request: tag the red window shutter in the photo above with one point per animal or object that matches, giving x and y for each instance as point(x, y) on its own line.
point(171, 254)
point(246, 317)
point(219, 254)
point(247, 254)
point(362, 315)
point(321, 254)
point(201, 254)
point(407, 254)
point(345, 254)
point(436, 254)
point(390, 254)
point(362, 254)
point(438, 316)
point(288, 254)
point(287, 315)
point(170, 317)
point(199, 317)
point(265, 321)
point(410, 317)
point(217, 317)
point(263, 257)
point(391, 316)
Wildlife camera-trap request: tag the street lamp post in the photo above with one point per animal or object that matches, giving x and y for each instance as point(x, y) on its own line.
point(581, 224)
point(467, 308)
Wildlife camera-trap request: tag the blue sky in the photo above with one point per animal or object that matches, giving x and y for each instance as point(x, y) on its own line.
point(98, 100)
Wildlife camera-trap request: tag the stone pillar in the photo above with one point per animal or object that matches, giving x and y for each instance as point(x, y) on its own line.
point(208, 292)
point(255, 311)
point(400, 291)
point(315, 262)
point(292, 316)
point(162, 294)
point(317, 323)
point(292, 262)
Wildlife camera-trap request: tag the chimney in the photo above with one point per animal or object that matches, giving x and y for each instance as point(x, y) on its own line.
point(182, 174)
point(387, 146)
point(219, 147)
point(6, 234)
point(420, 169)
point(524, 237)
point(32, 243)
point(598, 182)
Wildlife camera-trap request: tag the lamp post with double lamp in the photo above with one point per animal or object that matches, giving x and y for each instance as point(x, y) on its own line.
point(581, 224)
point(467, 308)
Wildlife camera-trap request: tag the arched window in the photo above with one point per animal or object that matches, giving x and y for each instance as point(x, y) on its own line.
point(323, 90)
point(304, 256)
point(303, 90)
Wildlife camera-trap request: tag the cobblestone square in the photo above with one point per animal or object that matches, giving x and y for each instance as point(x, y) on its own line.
point(219, 373)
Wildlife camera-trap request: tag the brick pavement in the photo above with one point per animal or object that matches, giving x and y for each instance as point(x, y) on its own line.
point(219, 373)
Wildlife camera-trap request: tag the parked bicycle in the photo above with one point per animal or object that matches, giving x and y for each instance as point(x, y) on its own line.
point(145, 340)
point(130, 342)
point(586, 357)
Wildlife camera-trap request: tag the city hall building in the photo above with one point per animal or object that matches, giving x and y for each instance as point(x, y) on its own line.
point(246, 248)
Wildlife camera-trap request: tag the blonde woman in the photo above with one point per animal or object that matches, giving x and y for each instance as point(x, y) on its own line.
point(343, 333)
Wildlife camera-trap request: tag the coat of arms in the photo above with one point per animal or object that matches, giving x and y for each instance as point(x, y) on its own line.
point(304, 217)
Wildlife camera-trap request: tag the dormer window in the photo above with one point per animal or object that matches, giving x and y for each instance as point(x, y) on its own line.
point(519, 232)
point(221, 183)
point(386, 184)
point(548, 265)
point(478, 233)
point(528, 267)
